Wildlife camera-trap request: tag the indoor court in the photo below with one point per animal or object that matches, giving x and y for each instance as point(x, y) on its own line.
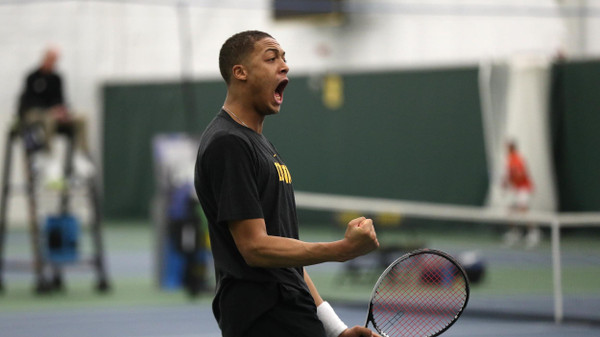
point(415, 114)
point(136, 308)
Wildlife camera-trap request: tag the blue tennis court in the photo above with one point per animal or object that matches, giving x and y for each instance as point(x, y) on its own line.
point(136, 307)
point(192, 319)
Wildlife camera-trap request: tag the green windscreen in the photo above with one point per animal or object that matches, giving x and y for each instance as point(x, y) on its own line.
point(414, 135)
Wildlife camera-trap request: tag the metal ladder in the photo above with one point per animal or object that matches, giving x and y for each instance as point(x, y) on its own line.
point(48, 275)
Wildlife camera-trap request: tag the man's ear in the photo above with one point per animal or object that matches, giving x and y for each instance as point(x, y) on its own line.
point(239, 72)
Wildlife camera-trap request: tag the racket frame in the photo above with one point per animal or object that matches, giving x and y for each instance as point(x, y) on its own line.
point(405, 257)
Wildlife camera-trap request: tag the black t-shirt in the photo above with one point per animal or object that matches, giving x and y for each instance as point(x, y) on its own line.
point(42, 90)
point(239, 175)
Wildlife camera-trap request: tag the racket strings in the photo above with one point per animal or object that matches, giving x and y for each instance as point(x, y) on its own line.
point(419, 297)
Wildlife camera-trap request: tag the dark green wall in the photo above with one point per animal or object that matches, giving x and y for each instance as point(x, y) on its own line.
point(576, 117)
point(133, 113)
point(414, 135)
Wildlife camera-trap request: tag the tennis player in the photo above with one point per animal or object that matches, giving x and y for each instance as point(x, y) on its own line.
point(246, 191)
point(520, 186)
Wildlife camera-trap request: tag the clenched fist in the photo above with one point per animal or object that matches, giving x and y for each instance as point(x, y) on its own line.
point(360, 238)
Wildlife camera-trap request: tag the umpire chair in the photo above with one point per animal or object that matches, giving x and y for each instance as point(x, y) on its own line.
point(48, 273)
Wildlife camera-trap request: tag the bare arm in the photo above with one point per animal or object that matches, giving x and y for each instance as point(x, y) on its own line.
point(356, 331)
point(313, 289)
point(260, 249)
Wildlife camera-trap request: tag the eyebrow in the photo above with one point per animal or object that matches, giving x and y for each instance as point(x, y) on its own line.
point(276, 51)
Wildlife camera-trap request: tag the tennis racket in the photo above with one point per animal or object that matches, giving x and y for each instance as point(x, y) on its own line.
point(422, 293)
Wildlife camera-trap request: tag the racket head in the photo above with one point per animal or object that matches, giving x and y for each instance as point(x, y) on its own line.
point(422, 293)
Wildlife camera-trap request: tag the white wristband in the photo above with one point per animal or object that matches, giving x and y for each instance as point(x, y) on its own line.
point(331, 322)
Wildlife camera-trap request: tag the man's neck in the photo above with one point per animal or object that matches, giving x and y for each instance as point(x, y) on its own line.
point(241, 115)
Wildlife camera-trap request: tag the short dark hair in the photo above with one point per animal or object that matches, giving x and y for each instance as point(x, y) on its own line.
point(236, 48)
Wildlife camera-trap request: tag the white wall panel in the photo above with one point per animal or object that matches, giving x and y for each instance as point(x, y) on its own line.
point(139, 40)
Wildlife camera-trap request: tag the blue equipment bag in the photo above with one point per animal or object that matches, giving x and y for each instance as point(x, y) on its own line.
point(61, 233)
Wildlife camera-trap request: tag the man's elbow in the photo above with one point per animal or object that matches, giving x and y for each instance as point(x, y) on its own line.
point(253, 261)
point(254, 256)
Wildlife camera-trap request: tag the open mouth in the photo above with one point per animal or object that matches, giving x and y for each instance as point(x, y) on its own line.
point(279, 91)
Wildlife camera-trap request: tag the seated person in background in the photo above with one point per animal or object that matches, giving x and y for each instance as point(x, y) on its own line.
point(43, 89)
point(42, 102)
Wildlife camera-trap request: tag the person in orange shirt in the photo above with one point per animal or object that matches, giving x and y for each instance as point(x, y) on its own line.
point(520, 186)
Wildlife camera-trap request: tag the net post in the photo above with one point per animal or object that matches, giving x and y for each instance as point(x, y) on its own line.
point(556, 270)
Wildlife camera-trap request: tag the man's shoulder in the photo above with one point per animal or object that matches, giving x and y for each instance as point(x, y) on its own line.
point(33, 73)
point(37, 73)
point(222, 133)
point(220, 128)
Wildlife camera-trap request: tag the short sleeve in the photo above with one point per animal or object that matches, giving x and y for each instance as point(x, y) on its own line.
point(229, 162)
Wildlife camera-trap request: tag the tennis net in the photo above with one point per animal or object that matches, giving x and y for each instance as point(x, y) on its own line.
point(557, 279)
